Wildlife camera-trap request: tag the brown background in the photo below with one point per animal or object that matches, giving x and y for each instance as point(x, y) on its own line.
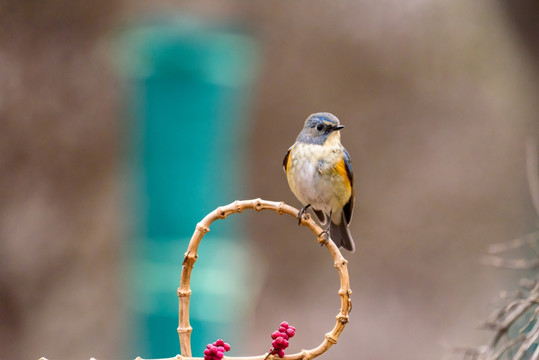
point(437, 98)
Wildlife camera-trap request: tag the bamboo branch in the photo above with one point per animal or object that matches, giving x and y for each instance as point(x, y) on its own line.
point(184, 291)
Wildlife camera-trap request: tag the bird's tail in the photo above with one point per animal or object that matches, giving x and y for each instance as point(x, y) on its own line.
point(340, 234)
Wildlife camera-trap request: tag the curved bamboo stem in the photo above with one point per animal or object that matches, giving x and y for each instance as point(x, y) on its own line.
point(184, 291)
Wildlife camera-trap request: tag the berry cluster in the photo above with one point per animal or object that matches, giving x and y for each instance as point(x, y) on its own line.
point(216, 351)
point(280, 339)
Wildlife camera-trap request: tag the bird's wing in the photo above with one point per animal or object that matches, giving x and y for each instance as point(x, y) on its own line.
point(349, 206)
point(286, 158)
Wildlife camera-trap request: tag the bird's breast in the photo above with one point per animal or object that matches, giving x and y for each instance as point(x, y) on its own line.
point(314, 178)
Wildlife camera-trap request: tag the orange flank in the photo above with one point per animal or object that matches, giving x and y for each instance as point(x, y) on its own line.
point(340, 169)
point(289, 159)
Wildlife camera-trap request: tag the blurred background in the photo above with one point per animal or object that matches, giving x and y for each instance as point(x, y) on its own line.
point(124, 122)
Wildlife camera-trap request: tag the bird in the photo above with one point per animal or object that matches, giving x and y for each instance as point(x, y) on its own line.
point(319, 172)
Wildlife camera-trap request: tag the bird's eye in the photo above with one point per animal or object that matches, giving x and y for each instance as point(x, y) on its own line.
point(319, 127)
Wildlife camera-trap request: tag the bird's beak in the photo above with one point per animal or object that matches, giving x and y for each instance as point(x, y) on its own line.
point(338, 127)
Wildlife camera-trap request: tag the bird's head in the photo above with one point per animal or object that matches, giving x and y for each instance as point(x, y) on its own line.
point(319, 128)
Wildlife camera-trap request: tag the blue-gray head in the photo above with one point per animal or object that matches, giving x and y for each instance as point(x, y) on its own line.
point(318, 128)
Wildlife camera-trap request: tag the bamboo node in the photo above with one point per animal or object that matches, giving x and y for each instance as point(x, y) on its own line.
point(185, 330)
point(237, 206)
point(221, 213)
point(343, 319)
point(305, 355)
point(331, 338)
point(258, 205)
point(202, 228)
point(341, 262)
point(188, 258)
point(184, 293)
point(280, 209)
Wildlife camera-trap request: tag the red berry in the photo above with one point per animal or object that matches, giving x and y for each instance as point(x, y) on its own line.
point(281, 339)
point(216, 350)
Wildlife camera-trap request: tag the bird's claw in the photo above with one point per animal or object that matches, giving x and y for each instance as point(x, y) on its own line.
point(324, 237)
point(302, 214)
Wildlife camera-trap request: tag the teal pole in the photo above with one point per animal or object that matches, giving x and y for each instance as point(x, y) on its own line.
point(187, 103)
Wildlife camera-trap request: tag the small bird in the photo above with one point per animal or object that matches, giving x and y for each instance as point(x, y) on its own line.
point(319, 172)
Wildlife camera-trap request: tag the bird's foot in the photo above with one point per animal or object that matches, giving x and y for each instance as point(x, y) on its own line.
point(303, 213)
point(323, 237)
